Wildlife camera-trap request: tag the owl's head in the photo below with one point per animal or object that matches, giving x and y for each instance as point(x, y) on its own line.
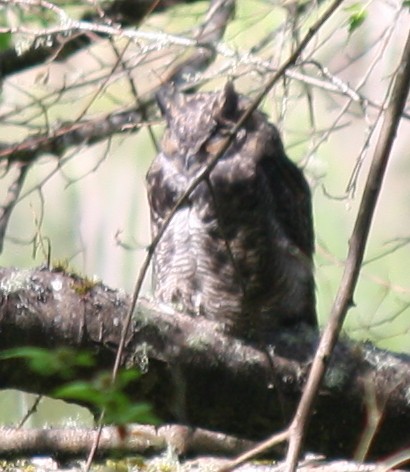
point(193, 119)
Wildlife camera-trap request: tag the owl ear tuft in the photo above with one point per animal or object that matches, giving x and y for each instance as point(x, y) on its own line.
point(169, 101)
point(228, 102)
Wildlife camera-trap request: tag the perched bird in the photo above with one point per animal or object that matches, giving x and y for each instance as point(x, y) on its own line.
point(239, 249)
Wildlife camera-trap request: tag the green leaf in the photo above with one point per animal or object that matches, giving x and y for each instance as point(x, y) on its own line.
point(5, 41)
point(125, 377)
point(46, 362)
point(18, 352)
point(84, 359)
point(100, 391)
point(40, 360)
point(132, 413)
point(83, 391)
point(118, 407)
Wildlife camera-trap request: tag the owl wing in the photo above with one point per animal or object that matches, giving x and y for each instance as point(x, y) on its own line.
point(291, 198)
point(291, 195)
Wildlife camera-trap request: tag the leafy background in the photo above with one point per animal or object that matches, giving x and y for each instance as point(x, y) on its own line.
point(91, 205)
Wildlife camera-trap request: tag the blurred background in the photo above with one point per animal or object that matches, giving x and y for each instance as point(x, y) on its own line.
point(90, 204)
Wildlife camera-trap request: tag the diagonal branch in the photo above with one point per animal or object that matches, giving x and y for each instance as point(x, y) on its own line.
point(11, 199)
point(123, 12)
point(357, 245)
point(344, 299)
point(24, 154)
point(72, 134)
point(212, 30)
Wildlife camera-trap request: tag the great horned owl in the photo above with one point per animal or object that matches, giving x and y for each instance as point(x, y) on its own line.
point(239, 250)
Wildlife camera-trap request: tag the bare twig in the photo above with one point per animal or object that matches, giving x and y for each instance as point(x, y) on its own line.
point(70, 134)
point(30, 411)
point(344, 298)
point(357, 244)
point(212, 30)
point(11, 200)
point(204, 174)
point(124, 12)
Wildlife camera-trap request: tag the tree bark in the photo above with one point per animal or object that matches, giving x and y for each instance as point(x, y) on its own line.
point(122, 12)
point(194, 374)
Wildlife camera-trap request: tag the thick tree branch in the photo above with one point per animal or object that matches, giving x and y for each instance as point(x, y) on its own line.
point(120, 12)
point(217, 382)
point(74, 134)
point(68, 443)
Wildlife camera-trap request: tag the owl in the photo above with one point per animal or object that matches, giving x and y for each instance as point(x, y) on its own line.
point(239, 249)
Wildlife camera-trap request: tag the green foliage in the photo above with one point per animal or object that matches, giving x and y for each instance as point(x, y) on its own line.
point(5, 41)
point(406, 3)
point(62, 361)
point(100, 392)
point(358, 15)
point(109, 396)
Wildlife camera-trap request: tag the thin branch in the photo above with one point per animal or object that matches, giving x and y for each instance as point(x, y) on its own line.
point(344, 298)
point(204, 173)
point(138, 102)
point(30, 411)
point(357, 245)
point(70, 443)
point(123, 12)
point(11, 199)
point(72, 134)
point(212, 30)
point(56, 143)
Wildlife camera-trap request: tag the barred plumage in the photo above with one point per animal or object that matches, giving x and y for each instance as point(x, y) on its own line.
point(240, 249)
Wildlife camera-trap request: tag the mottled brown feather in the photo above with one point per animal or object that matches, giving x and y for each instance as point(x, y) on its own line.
point(240, 249)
